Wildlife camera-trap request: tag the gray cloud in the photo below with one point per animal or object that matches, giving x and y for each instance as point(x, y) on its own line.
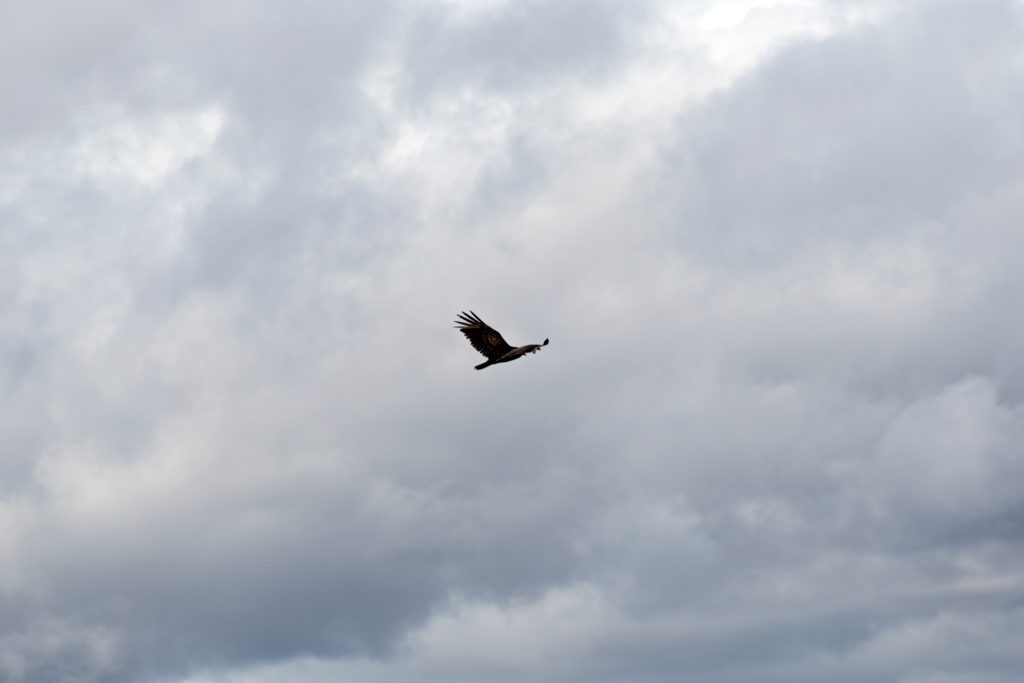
point(856, 137)
point(775, 435)
point(517, 45)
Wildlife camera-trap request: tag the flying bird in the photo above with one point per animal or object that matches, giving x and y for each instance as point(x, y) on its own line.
point(489, 342)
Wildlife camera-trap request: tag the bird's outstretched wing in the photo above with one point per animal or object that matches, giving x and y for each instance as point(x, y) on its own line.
point(482, 336)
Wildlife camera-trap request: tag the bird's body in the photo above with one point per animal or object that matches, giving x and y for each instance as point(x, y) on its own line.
point(489, 342)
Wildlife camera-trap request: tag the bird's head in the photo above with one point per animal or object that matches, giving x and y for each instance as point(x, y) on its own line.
point(545, 343)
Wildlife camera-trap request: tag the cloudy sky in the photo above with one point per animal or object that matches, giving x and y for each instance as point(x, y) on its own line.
point(778, 434)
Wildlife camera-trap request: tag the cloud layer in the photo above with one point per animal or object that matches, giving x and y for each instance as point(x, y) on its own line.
point(777, 433)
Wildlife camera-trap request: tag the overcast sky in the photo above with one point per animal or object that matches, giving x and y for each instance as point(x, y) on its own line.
point(777, 436)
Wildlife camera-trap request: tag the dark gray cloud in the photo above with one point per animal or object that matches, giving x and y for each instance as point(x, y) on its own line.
point(775, 436)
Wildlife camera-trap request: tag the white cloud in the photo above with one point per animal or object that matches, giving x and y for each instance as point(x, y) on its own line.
point(118, 149)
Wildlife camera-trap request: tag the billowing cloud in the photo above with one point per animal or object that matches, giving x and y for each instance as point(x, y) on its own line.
point(776, 433)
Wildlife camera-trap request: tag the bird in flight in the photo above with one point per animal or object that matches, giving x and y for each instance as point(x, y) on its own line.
point(489, 342)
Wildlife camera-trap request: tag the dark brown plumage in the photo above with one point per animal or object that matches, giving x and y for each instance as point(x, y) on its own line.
point(489, 342)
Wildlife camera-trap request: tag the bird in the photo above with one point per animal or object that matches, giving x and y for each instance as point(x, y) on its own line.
point(489, 341)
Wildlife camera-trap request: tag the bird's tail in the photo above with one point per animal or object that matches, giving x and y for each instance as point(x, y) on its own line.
point(482, 365)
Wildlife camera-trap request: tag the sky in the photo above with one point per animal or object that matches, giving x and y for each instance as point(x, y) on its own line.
point(777, 436)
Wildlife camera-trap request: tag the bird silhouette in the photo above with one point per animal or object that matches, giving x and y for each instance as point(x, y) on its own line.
point(489, 341)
